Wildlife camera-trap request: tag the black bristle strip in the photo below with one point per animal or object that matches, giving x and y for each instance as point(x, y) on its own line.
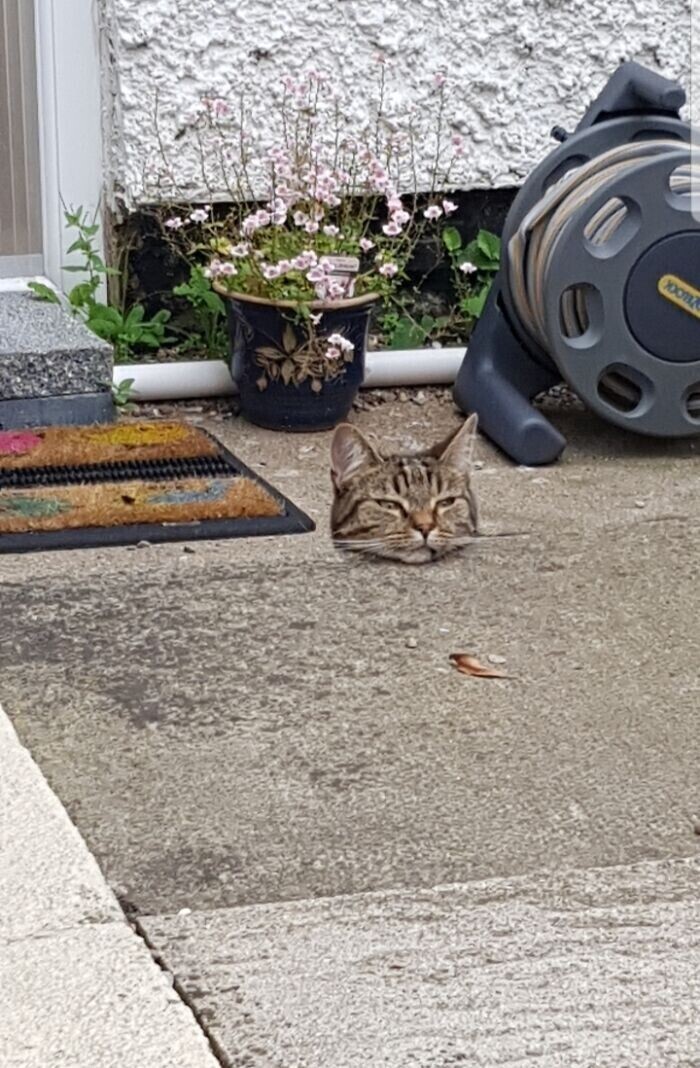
point(119, 471)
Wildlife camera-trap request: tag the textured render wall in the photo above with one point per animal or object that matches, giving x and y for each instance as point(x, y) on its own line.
point(517, 66)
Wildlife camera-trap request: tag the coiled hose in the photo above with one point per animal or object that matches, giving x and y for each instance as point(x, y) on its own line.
point(529, 253)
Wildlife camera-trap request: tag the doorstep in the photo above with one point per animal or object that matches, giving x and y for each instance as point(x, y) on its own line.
point(53, 370)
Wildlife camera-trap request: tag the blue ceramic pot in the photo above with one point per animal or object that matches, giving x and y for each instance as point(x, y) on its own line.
point(262, 334)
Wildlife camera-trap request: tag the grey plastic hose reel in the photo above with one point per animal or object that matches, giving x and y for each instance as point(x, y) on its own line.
point(599, 281)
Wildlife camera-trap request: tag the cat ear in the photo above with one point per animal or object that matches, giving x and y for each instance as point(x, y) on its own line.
point(350, 452)
point(459, 451)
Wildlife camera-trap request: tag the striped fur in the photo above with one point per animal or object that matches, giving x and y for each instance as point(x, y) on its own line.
point(409, 508)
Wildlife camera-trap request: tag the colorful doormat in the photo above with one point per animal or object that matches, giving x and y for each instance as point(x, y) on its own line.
point(76, 487)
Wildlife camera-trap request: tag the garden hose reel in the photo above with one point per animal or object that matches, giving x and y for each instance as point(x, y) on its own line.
point(599, 281)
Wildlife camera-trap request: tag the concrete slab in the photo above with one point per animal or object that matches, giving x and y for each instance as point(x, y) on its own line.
point(48, 880)
point(226, 735)
point(566, 971)
point(93, 998)
point(265, 721)
point(80, 988)
point(45, 351)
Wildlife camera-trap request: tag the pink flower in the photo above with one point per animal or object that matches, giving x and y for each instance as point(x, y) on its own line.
point(458, 144)
point(439, 79)
point(227, 270)
point(340, 342)
point(240, 250)
point(271, 271)
point(389, 270)
point(449, 206)
point(332, 353)
point(300, 218)
point(336, 290)
point(316, 274)
point(174, 223)
point(433, 212)
point(331, 231)
point(255, 222)
point(365, 244)
point(400, 217)
point(199, 215)
point(305, 260)
point(394, 202)
point(311, 227)
point(391, 229)
point(467, 267)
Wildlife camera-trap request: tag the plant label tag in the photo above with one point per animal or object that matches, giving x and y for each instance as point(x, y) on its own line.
point(343, 269)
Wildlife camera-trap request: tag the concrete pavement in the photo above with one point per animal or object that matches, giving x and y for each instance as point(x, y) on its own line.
point(80, 988)
point(248, 728)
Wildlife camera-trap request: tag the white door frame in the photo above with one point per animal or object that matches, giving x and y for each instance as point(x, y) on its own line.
point(70, 122)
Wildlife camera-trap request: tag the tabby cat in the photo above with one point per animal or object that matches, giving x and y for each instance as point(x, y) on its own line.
point(412, 508)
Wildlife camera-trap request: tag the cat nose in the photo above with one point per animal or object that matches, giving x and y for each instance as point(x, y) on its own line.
point(423, 521)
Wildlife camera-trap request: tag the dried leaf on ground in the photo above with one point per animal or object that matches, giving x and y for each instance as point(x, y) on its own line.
point(469, 665)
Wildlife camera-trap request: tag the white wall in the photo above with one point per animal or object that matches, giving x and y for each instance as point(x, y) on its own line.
point(516, 66)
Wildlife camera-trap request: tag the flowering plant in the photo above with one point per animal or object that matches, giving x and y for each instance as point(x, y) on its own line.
point(322, 191)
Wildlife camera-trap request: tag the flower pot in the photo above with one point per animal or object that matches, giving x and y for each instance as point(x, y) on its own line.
point(278, 362)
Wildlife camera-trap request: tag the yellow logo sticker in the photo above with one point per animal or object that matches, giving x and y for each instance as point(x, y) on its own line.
point(680, 293)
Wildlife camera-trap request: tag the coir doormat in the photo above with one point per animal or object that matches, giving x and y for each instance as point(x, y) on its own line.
point(76, 487)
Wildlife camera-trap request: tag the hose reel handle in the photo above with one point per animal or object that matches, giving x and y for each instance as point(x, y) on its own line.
point(657, 91)
point(631, 89)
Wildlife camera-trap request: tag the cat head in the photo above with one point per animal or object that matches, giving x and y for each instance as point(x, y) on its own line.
point(411, 508)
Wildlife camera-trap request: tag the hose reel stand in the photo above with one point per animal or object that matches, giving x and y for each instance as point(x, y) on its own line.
point(599, 281)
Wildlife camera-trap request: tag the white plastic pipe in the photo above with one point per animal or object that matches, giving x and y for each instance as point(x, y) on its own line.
point(194, 379)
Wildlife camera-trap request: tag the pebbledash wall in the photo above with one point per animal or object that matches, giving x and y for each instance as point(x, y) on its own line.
point(515, 67)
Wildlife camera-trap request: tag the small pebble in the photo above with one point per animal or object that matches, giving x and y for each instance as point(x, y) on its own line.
point(640, 504)
point(184, 912)
point(478, 464)
point(493, 659)
point(188, 549)
point(143, 544)
point(403, 396)
point(419, 398)
point(411, 643)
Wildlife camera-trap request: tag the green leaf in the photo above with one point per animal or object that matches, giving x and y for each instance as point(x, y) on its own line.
point(108, 313)
point(135, 316)
point(81, 295)
point(489, 244)
point(407, 335)
point(474, 305)
point(105, 329)
point(473, 254)
point(80, 245)
point(452, 238)
point(44, 292)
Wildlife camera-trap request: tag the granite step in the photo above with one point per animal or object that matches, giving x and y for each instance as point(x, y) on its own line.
point(53, 370)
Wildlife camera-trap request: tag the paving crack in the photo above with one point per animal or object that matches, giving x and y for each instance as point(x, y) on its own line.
point(131, 914)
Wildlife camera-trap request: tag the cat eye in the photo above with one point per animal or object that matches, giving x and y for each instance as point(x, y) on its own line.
point(447, 502)
point(393, 505)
